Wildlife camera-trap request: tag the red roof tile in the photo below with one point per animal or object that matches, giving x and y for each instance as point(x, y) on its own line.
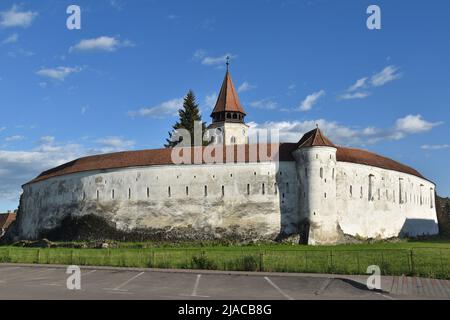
point(163, 157)
point(315, 138)
point(228, 99)
point(6, 219)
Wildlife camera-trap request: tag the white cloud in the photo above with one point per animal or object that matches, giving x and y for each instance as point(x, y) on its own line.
point(19, 167)
point(117, 4)
point(415, 124)
point(13, 38)
point(2, 129)
point(112, 144)
point(291, 131)
point(59, 73)
point(354, 95)
point(311, 100)
point(435, 146)
point(246, 86)
point(84, 109)
point(168, 108)
point(201, 55)
point(264, 104)
point(14, 138)
point(387, 75)
point(104, 43)
point(16, 18)
point(361, 83)
point(210, 100)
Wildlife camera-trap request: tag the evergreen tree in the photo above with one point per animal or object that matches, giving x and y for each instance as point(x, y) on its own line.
point(187, 116)
point(447, 207)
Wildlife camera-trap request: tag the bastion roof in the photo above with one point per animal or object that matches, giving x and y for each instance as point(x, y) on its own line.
point(155, 157)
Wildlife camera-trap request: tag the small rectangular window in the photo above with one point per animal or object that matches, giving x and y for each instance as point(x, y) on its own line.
point(206, 191)
point(148, 192)
point(248, 189)
point(187, 191)
point(169, 193)
point(223, 191)
point(129, 193)
point(112, 194)
point(263, 189)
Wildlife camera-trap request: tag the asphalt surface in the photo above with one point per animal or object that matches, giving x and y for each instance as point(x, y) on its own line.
point(49, 283)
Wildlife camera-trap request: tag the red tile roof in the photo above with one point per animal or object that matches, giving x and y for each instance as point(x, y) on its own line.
point(6, 219)
point(315, 138)
point(164, 157)
point(228, 98)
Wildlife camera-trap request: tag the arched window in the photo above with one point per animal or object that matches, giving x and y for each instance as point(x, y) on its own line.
point(228, 116)
point(98, 195)
point(223, 191)
point(351, 191)
point(187, 190)
point(234, 116)
point(148, 192)
point(263, 189)
point(321, 173)
point(169, 192)
point(206, 191)
point(248, 189)
point(233, 140)
point(129, 193)
point(112, 194)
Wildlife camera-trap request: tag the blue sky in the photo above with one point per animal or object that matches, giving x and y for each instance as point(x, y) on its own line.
point(116, 83)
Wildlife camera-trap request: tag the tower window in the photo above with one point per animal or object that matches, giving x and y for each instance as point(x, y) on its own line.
point(187, 190)
point(275, 186)
point(98, 195)
point(228, 116)
point(223, 191)
point(248, 189)
point(263, 188)
point(233, 140)
point(112, 194)
point(148, 192)
point(206, 191)
point(129, 193)
point(321, 173)
point(169, 192)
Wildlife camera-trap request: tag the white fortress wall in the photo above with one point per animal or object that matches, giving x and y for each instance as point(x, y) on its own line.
point(250, 197)
point(377, 203)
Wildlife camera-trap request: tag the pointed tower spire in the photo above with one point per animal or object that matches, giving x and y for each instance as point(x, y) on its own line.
point(228, 107)
point(315, 138)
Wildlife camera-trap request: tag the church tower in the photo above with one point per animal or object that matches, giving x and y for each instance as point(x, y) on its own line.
point(228, 126)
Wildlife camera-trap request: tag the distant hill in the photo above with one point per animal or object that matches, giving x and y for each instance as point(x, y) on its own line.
point(443, 213)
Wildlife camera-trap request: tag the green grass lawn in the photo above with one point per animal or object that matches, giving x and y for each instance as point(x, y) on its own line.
point(421, 258)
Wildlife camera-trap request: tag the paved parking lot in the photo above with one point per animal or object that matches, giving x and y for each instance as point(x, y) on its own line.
point(49, 282)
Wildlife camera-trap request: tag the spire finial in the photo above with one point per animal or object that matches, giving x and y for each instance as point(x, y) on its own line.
point(228, 62)
point(317, 125)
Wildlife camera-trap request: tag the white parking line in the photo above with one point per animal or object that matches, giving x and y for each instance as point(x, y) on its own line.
point(197, 282)
point(195, 290)
point(278, 289)
point(119, 288)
